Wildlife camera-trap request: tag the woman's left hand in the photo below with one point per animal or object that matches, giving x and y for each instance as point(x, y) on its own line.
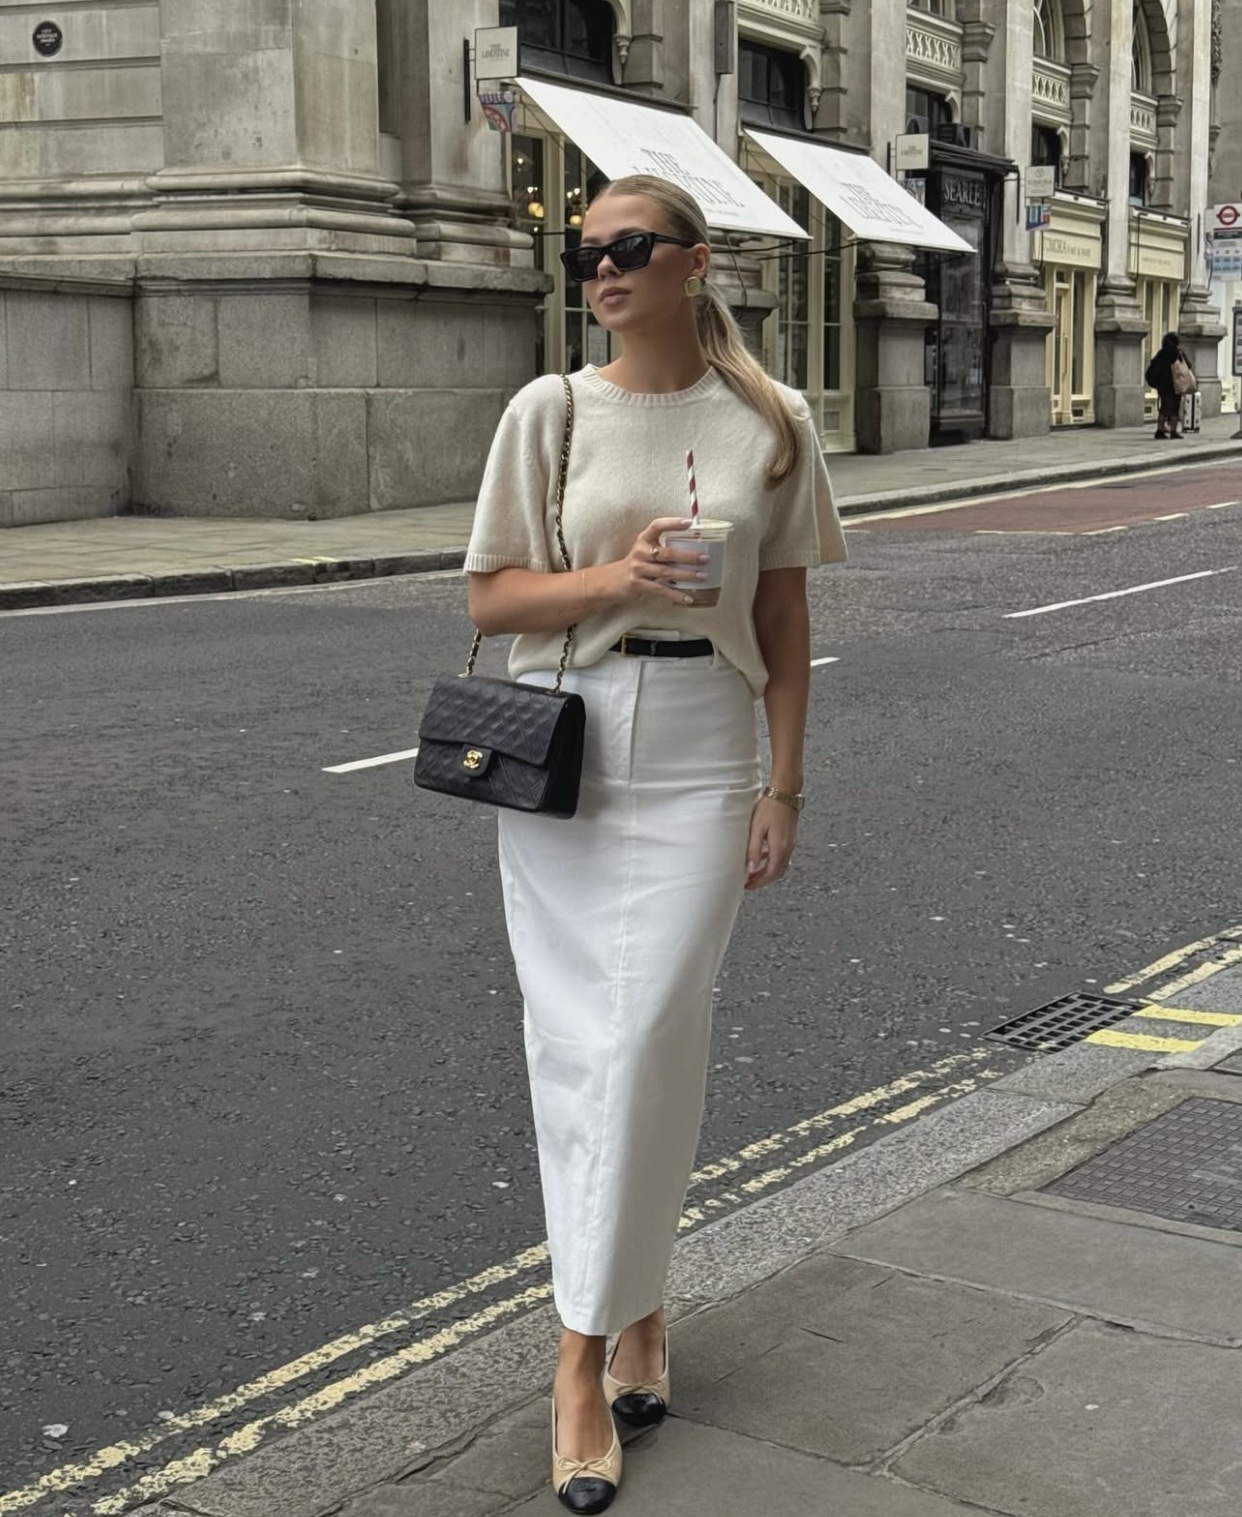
point(773, 837)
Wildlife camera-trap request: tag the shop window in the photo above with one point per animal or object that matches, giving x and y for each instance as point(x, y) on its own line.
point(927, 111)
point(565, 36)
point(1138, 179)
point(551, 184)
point(1046, 149)
point(1142, 73)
point(793, 311)
point(1048, 25)
point(771, 86)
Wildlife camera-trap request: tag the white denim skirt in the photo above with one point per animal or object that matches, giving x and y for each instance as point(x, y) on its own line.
point(619, 920)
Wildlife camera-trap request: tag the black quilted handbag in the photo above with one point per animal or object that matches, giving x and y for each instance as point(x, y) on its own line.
point(499, 742)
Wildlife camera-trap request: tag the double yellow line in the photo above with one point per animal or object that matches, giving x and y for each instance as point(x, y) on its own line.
point(1160, 1011)
point(946, 1079)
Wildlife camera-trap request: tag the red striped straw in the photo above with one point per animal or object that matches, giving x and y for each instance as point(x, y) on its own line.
point(694, 488)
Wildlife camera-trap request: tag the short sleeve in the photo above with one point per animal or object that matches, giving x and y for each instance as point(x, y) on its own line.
point(804, 530)
point(510, 522)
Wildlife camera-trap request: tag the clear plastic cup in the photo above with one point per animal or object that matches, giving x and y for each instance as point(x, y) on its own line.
point(712, 538)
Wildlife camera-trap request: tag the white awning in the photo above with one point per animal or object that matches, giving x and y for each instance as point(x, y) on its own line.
point(859, 193)
point(623, 137)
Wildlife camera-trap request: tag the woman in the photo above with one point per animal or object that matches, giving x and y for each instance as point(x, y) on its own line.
point(1159, 377)
point(619, 919)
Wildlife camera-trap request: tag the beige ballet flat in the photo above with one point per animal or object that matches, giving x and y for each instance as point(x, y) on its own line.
point(639, 1405)
point(586, 1485)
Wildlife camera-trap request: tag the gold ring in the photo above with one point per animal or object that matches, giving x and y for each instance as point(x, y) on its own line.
point(655, 554)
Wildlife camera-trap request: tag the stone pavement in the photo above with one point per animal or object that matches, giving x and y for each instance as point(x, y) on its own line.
point(941, 1325)
point(130, 556)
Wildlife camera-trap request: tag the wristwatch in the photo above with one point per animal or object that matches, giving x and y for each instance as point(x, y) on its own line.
point(795, 802)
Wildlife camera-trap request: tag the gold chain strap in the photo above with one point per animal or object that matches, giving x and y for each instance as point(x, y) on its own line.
point(562, 476)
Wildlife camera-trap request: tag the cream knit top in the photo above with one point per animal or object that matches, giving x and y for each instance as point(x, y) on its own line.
point(627, 465)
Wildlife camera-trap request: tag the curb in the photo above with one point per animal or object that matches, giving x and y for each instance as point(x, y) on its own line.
point(397, 1428)
point(38, 594)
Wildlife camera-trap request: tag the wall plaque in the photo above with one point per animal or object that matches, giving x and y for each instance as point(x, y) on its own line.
point(48, 39)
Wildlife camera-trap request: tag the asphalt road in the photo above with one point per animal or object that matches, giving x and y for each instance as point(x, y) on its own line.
point(261, 1074)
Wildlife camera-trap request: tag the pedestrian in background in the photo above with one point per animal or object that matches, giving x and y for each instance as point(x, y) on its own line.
point(1170, 375)
point(619, 918)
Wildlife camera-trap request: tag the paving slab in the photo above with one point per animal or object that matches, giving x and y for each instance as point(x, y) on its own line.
point(1143, 1278)
point(1102, 1423)
point(421, 1498)
point(772, 1234)
point(848, 1373)
point(687, 1471)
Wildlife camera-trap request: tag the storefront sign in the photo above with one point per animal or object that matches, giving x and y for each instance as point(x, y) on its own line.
point(1225, 218)
point(499, 108)
point(496, 53)
point(913, 152)
point(1075, 252)
point(1160, 263)
point(1041, 181)
point(962, 192)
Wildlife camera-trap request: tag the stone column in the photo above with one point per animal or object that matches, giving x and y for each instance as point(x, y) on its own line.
point(452, 174)
point(891, 312)
point(1199, 323)
point(271, 130)
point(1120, 327)
point(893, 404)
point(1020, 403)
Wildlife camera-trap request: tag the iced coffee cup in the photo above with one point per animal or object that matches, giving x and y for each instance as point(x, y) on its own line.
point(706, 536)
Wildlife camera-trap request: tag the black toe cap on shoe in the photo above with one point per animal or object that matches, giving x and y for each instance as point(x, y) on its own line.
point(588, 1493)
point(641, 1410)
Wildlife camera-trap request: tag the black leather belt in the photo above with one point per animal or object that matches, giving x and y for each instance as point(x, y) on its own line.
point(652, 647)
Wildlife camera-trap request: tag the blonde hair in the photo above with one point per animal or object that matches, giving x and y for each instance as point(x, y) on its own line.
point(719, 333)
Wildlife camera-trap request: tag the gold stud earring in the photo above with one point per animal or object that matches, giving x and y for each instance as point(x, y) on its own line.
point(694, 287)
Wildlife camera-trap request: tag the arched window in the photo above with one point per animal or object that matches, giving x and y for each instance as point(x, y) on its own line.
point(1049, 28)
point(570, 36)
point(1142, 77)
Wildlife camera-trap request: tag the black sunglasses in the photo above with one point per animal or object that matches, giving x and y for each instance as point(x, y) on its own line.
point(633, 251)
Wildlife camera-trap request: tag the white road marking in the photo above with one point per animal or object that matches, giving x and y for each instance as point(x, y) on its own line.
point(372, 763)
point(1157, 584)
point(818, 663)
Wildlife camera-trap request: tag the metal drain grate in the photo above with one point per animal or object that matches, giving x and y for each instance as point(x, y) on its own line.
point(1185, 1166)
point(1062, 1023)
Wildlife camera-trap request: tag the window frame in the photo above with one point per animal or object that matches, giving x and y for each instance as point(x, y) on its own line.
point(593, 66)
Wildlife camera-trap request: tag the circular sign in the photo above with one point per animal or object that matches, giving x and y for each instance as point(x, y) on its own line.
point(48, 39)
point(1228, 215)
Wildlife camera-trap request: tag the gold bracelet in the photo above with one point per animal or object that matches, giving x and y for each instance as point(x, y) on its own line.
point(785, 797)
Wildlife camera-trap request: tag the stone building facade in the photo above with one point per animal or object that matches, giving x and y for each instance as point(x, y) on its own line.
point(270, 257)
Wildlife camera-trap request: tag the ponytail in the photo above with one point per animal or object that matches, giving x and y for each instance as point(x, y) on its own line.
point(723, 344)
point(726, 351)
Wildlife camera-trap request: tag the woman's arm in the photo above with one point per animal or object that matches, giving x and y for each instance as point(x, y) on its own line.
point(783, 628)
point(525, 600)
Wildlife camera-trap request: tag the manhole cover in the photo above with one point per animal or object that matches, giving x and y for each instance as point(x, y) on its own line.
point(1185, 1166)
point(1063, 1022)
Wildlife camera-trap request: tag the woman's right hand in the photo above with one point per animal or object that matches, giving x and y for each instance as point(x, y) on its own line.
point(648, 570)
